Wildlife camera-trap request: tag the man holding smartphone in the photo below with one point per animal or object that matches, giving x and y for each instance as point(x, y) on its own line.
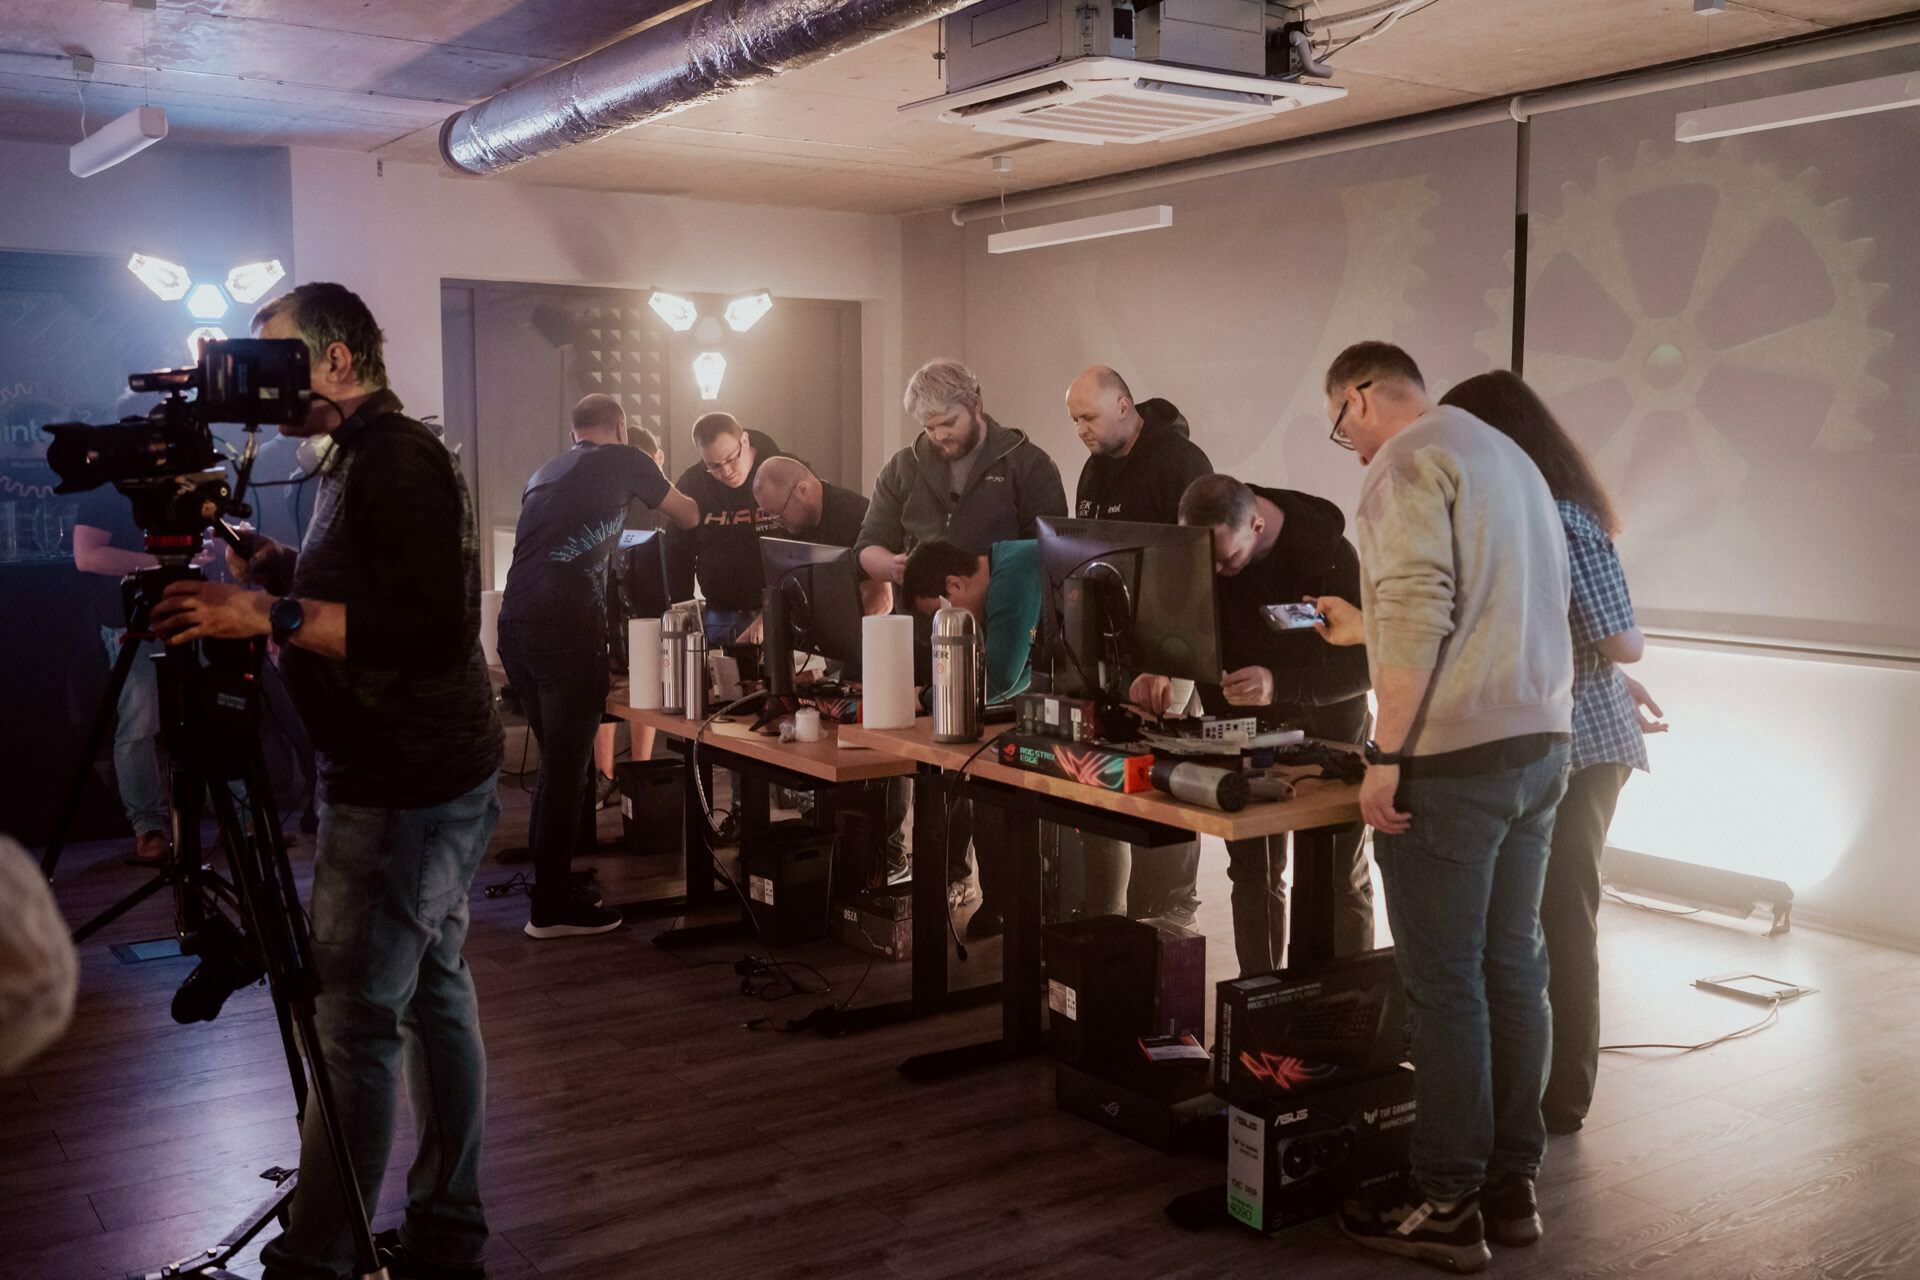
point(1273, 548)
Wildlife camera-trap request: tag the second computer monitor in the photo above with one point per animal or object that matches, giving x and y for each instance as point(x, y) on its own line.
point(1146, 587)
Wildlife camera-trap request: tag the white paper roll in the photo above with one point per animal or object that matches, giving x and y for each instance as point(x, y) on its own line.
point(643, 664)
point(490, 626)
point(886, 672)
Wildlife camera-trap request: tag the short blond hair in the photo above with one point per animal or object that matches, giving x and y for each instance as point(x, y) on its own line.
point(936, 386)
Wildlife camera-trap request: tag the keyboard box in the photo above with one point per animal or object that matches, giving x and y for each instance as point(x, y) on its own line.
point(1291, 1161)
point(1280, 1035)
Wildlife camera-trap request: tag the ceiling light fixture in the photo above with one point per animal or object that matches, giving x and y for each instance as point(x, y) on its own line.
point(678, 312)
point(206, 302)
point(709, 370)
point(117, 140)
point(168, 280)
point(250, 282)
point(1833, 102)
point(205, 333)
point(1105, 224)
point(743, 313)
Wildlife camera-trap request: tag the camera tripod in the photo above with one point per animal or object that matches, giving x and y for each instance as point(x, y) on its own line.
point(210, 705)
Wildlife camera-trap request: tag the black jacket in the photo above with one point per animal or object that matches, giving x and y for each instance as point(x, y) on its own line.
point(1317, 686)
point(1012, 484)
point(1147, 483)
point(725, 547)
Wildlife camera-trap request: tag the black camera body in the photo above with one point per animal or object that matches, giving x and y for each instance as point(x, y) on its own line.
point(252, 381)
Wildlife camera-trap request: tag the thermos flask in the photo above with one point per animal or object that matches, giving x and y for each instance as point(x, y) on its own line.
point(959, 676)
point(696, 675)
point(674, 627)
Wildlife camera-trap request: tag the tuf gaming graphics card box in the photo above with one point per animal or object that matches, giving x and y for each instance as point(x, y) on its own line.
point(1293, 1161)
point(1281, 1035)
point(1109, 768)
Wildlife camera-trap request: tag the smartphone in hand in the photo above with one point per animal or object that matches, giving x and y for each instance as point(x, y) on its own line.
point(1291, 617)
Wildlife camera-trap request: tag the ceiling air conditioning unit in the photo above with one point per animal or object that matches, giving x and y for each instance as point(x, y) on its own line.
point(1115, 70)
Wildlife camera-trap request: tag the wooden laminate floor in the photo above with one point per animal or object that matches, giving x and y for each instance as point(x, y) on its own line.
point(644, 1121)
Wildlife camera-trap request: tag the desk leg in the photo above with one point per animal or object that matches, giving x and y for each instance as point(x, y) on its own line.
point(1310, 927)
point(1020, 975)
point(696, 843)
point(930, 791)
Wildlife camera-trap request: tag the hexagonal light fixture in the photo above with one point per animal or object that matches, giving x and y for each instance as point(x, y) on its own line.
point(679, 313)
point(709, 370)
point(743, 313)
point(168, 280)
point(206, 302)
point(251, 281)
point(205, 333)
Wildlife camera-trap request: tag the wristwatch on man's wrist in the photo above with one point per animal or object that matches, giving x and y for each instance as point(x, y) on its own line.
point(286, 617)
point(1375, 755)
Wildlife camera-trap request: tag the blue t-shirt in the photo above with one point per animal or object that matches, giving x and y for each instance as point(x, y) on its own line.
point(1013, 615)
point(570, 517)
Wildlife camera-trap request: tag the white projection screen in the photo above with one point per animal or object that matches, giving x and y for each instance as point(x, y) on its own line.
point(1732, 330)
point(1234, 312)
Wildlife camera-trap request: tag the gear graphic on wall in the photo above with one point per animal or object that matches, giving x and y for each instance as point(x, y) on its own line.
point(1747, 347)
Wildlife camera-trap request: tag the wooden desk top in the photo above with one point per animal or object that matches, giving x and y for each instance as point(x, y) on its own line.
point(1317, 803)
point(826, 759)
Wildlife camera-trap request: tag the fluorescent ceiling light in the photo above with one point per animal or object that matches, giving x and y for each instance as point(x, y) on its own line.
point(249, 283)
point(1104, 224)
point(207, 333)
point(117, 140)
point(206, 302)
point(743, 313)
point(1835, 101)
point(168, 280)
point(709, 369)
point(678, 312)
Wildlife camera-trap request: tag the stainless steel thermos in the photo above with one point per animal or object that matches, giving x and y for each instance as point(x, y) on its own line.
point(675, 626)
point(696, 675)
point(959, 676)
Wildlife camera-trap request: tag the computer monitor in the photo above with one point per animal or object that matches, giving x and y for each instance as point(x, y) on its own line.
point(1135, 596)
point(812, 605)
point(636, 586)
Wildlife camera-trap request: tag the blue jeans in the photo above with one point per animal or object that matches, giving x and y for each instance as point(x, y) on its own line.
point(136, 740)
point(389, 913)
point(1463, 898)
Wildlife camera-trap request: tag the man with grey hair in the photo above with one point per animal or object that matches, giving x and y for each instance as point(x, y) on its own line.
point(972, 481)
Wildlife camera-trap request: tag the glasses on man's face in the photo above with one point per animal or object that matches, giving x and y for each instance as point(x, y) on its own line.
point(786, 504)
point(1339, 435)
point(726, 464)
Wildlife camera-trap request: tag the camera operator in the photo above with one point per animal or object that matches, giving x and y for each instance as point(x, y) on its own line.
point(378, 619)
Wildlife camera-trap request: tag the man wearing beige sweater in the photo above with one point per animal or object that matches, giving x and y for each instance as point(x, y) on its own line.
point(1464, 585)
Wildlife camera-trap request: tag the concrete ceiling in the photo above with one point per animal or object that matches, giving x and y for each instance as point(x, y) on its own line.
point(379, 76)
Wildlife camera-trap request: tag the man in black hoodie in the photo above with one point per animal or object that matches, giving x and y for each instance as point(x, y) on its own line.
point(724, 548)
point(1140, 462)
point(1276, 546)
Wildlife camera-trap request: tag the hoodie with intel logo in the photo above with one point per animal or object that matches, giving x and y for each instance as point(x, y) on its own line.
point(1147, 483)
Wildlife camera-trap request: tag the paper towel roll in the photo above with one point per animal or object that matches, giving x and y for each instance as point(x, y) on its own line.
point(490, 626)
point(886, 666)
point(643, 664)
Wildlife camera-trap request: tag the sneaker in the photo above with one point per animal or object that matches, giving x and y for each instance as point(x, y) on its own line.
point(899, 865)
point(961, 894)
point(987, 922)
point(577, 919)
point(1406, 1223)
point(150, 849)
point(1511, 1212)
point(606, 792)
point(586, 893)
point(401, 1264)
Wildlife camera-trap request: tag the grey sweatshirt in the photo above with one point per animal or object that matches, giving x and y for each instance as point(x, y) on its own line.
point(1463, 568)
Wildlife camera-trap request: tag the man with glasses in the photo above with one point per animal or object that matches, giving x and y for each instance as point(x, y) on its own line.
point(723, 550)
point(1464, 588)
point(812, 510)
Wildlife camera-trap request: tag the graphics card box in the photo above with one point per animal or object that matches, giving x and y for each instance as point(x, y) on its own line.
point(1168, 1107)
point(1109, 768)
point(878, 923)
point(1290, 1162)
point(1280, 1035)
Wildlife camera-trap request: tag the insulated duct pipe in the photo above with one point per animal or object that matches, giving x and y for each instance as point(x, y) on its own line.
point(1866, 39)
point(688, 59)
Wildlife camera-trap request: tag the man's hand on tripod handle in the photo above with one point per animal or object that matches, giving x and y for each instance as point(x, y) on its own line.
point(194, 610)
point(266, 563)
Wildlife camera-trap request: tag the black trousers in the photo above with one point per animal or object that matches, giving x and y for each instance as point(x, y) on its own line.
point(563, 692)
point(1569, 908)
